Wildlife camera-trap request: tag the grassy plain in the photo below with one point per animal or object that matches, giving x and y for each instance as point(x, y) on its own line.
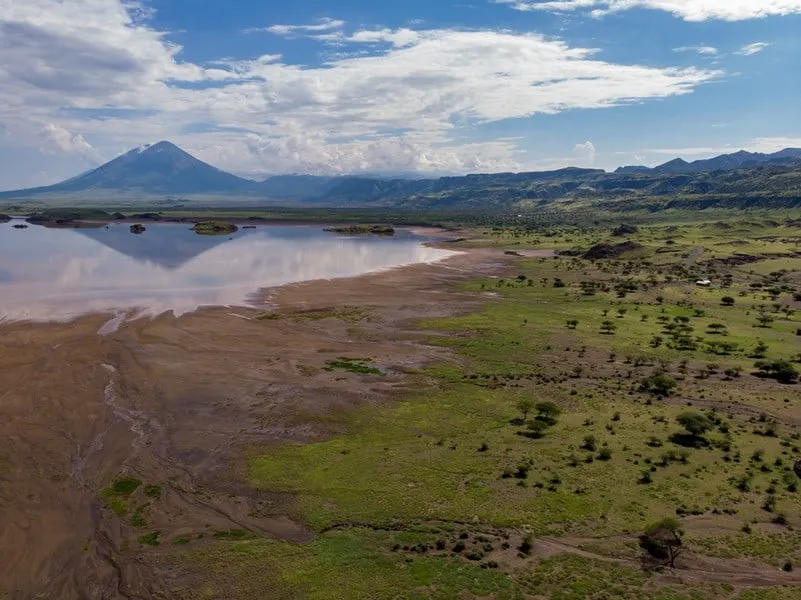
point(537, 460)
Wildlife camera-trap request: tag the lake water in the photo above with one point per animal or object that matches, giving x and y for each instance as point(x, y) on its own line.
point(57, 274)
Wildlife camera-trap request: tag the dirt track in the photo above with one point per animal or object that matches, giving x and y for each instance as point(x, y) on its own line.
point(178, 403)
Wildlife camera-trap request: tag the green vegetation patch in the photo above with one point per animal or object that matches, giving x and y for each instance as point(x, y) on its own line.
point(214, 228)
point(353, 365)
point(149, 539)
point(153, 491)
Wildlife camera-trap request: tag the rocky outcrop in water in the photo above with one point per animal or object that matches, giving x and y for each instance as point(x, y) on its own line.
point(363, 230)
point(214, 228)
point(138, 228)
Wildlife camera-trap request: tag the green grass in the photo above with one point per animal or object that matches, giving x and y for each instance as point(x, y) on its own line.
point(125, 486)
point(459, 455)
point(353, 365)
point(149, 539)
point(153, 491)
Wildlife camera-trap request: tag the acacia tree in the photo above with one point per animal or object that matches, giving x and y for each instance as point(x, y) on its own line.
point(662, 542)
point(525, 406)
point(608, 327)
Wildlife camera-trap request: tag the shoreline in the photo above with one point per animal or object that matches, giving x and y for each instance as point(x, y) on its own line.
point(250, 301)
point(182, 402)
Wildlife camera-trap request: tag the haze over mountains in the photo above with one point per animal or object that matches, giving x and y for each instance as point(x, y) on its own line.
point(164, 169)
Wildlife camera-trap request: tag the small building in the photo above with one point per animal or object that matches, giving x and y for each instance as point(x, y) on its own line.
point(703, 283)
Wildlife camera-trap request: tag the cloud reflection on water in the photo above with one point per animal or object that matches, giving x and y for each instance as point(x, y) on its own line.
point(57, 274)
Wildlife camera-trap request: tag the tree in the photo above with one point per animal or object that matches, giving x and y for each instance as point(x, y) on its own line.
point(572, 324)
point(780, 370)
point(695, 423)
point(547, 412)
point(760, 350)
point(717, 328)
point(608, 327)
point(727, 301)
point(525, 406)
point(659, 385)
point(765, 320)
point(662, 541)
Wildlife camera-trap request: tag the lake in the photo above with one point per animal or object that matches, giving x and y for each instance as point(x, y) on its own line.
point(58, 274)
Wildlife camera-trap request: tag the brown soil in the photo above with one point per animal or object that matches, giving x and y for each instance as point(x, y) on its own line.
point(177, 402)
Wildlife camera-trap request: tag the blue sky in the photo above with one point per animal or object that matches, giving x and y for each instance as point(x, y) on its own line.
point(433, 87)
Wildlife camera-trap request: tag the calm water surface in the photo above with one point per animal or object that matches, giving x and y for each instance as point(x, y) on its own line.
point(56, 274)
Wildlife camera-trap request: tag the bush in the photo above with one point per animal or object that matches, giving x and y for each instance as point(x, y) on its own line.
point(605, 454)
point(590, 443)
point(695, 423)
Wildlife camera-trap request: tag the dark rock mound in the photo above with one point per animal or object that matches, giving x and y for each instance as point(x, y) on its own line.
point(214, 228)
point(625, 229)
point(4, 218)
point(602, 251)
point(21, 226)
point(138, 228)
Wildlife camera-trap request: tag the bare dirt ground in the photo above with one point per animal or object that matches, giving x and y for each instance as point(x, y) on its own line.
point(177, 402)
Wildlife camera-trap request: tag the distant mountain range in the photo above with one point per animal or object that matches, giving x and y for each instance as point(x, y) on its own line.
point(164, 170)
point(737, 160)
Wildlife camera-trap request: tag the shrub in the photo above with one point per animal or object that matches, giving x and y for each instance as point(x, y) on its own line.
point(695, 423)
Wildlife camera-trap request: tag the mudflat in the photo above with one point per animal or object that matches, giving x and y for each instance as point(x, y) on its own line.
point(177, 405)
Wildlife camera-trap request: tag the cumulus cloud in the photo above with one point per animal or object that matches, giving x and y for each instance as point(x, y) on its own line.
point(99, 70)
point(585, 153)
point(690, 10)
point(751, 49)
point(56, 137)
point(702, 50)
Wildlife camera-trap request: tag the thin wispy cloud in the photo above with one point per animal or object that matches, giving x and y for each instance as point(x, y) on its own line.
point(752, 49)
point(321, 26)
point(702, 50)
point(690, 10)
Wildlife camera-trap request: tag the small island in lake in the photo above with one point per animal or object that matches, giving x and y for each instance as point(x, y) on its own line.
point(363, 230)
point(22, 226)
point(214, 228)
point(138, 228)
point(4, 218)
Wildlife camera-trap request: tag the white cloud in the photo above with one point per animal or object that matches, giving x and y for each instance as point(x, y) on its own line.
point(322, 25)
point(96, 69)
point(55, 136)
point(398, 38)
point(702, 50)
point(690, 10)
point(752, 49)
point(585, 153)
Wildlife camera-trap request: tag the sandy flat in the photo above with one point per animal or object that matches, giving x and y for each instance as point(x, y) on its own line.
point(181, 402)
